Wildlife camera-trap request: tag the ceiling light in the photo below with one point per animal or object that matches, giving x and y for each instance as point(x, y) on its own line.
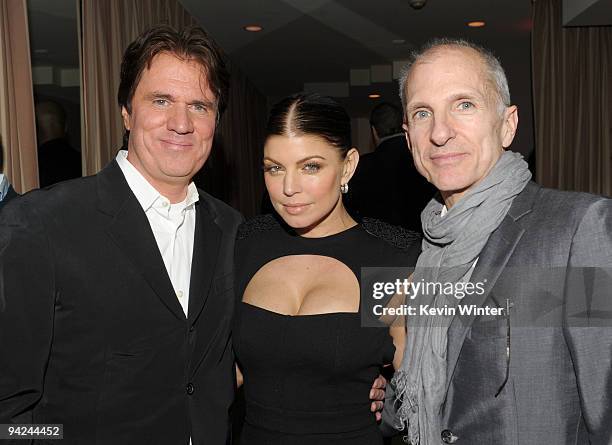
point(476, 24)
point(253, 28)
point(417, 4)
point(374, 96)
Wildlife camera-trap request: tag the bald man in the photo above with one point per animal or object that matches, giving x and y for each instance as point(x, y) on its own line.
point(534, 364)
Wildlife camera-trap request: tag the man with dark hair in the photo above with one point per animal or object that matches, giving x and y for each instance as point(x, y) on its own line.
point(57, 160)
point(384, 185)
point(6, 189)
point(531, 361)
point(116, 295)
point(385, 122)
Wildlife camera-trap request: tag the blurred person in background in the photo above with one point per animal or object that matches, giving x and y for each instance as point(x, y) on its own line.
point(57, 159)
point(386, 184)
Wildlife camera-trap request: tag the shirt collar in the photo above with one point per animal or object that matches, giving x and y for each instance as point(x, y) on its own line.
point(145, 193)
point(192, 195)
point(4, 186)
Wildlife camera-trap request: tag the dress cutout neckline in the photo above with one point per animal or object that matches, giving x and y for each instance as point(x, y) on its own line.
point(254, 306)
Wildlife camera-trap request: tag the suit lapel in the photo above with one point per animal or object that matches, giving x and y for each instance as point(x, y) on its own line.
point(491, 263)
point(206, 244)
point(131, 232)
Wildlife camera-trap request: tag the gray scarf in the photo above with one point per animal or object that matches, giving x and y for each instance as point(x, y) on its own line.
point(451, 244)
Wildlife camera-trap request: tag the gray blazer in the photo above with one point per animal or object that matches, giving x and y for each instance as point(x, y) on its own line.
point(547, 379)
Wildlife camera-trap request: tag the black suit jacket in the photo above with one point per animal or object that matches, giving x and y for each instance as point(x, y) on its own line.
point(10, 194)
point(388, 187)
point(91, 332)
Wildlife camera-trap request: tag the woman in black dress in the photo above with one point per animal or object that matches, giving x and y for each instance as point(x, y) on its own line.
point(308, 365)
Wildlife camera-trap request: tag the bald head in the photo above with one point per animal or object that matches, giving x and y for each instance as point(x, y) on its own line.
point(50, 121)
point(493, 75)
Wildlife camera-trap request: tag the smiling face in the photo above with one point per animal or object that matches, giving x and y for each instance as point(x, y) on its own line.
point(171, 124)
point(303, 175)
point(454, 127)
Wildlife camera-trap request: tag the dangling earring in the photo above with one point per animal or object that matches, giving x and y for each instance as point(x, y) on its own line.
point(344, 188)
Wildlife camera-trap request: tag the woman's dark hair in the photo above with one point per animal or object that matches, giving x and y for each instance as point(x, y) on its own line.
point(189, 43)
point(312, 114)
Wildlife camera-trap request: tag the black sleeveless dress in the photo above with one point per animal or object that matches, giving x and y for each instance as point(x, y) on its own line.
point(307, 378)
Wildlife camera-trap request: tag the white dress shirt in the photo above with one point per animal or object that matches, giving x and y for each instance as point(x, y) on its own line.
point(173, 226)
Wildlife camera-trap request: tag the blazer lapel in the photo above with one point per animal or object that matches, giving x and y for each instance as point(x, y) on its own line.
point(206, 244)
point(131, 232)
point(491, 263)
